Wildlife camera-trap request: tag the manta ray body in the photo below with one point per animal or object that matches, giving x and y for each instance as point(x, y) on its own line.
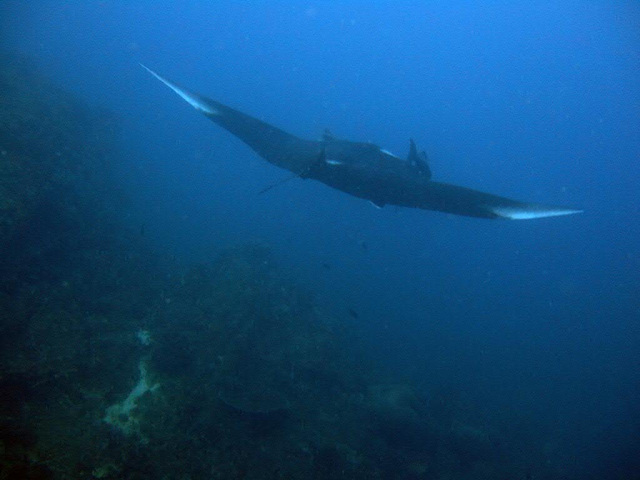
point(362, 169)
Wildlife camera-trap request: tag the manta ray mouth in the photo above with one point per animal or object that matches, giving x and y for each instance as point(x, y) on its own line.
point(531, 211)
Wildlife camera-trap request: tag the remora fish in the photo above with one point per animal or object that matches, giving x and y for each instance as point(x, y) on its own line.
point(362, 169)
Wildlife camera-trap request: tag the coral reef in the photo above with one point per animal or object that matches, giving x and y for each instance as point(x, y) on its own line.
point(56, 162)
point(117, 363)
point(122, 415)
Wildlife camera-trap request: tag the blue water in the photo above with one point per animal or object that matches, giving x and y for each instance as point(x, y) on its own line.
point(536, 322)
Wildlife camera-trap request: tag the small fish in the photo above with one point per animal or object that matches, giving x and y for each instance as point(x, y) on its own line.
point(326, 266)
point(353, 313)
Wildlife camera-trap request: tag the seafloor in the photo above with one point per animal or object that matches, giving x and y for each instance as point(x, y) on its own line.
point(116, 362)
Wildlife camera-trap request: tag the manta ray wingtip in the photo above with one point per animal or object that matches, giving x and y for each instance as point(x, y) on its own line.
point(196, 101)
point(532, 211)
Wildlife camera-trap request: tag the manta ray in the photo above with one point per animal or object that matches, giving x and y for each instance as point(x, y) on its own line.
point(362, 169)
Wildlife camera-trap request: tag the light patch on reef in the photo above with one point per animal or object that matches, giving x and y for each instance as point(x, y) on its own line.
point(123, 415)
point(144, 336)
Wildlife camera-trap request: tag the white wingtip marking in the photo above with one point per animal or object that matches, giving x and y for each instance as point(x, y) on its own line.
point(332, 162)
point(390, 154)
point(190, 98)
point(532, 212)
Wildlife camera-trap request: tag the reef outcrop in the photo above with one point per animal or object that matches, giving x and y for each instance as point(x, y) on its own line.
point(118, 363)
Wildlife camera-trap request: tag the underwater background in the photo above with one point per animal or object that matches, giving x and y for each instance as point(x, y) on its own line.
point(159, 318)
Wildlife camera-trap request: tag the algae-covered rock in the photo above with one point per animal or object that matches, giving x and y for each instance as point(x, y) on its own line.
point(256, 381)
point(46, 122)
point(253, 400)
point(399, 414)
point(247, 323)
point(54, 167)
point(123, 415)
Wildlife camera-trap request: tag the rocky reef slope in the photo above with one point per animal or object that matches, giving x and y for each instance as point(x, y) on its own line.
point(115, 363)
